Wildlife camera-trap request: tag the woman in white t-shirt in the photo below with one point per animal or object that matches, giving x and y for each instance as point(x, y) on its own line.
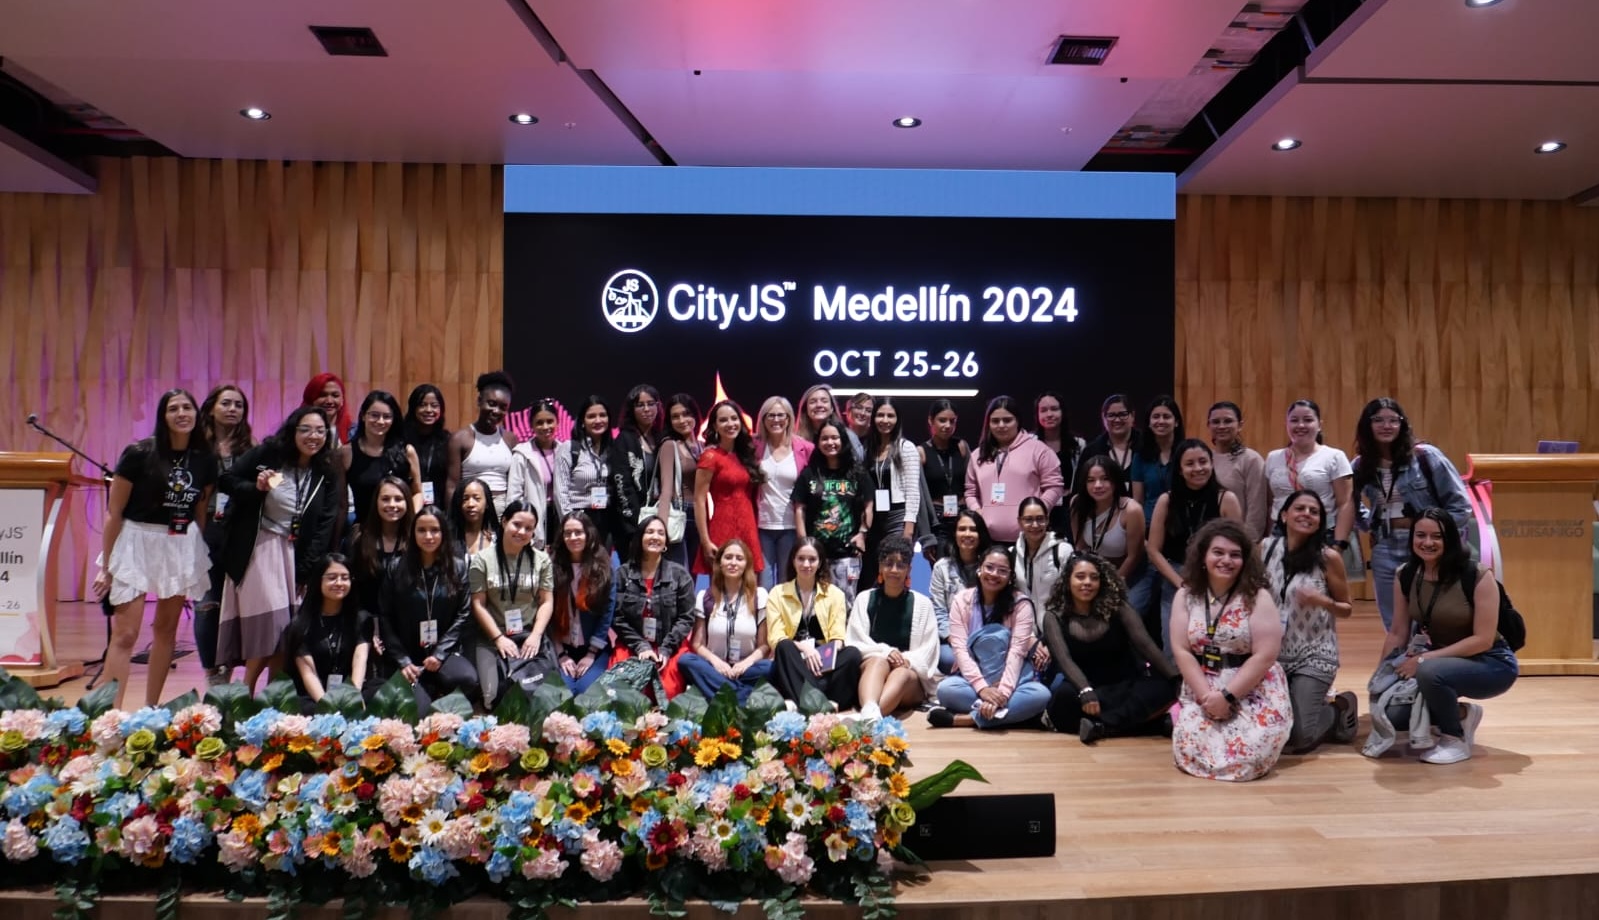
point(1307, 463)
point(729, 639)
point(783, 456)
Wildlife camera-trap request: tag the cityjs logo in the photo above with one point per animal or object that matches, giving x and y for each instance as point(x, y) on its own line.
point(630, 300)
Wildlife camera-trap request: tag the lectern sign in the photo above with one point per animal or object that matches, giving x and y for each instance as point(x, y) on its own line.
point(21, 523)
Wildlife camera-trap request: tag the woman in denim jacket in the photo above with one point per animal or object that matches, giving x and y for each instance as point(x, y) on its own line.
point(1396, 479)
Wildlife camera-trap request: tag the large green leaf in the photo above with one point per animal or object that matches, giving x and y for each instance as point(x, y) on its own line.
point(454, 703)
point(280, 695)
point(343, 699)
point(181, 703)
point(594, 699)
point(235, 703)
point(722, 713)
point(813, 701)
point(690, 704)
point(762, 703)
point(396, 699)
point(16, 693)
point(547, 698)
point(514, 707)
point(925, 792)
point(97, 701)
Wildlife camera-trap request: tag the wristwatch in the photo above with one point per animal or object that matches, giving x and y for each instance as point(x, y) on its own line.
point(1228, 696)
point(1341, 544)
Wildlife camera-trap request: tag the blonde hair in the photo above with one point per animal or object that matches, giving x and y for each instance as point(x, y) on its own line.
point(802, 424)
point(777, 402)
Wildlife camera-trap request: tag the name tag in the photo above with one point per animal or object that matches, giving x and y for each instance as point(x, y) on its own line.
point(513, 621)
point(430, 633)
point(222, 505)
point(427, 493)
point(598, 497)
point(178, 525)
point(951, 506)
point(1210, 657)
point(335, 680)
point(735, 651)
point(996, 492)
point(883, 501)
point(651, 628)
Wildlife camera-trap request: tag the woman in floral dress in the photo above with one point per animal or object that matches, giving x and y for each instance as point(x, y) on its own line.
point(1235, 712)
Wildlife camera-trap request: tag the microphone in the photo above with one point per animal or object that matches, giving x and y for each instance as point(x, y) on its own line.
point(33, 418)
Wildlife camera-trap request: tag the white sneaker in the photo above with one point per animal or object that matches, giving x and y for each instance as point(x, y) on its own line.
point(1469, 723)
point(1449, 749)
point(791, 706)
point(871, 711)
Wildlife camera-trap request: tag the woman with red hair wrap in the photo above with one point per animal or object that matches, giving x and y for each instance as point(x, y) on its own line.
point(326, 392)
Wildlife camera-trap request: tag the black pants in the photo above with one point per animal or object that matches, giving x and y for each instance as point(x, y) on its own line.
point(790, 674)
point(1125, 708)
point(455, 673)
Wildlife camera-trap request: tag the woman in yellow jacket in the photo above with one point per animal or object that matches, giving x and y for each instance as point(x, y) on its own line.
point(805, 622)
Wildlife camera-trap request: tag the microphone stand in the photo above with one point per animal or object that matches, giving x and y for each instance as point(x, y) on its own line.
point(106, 476)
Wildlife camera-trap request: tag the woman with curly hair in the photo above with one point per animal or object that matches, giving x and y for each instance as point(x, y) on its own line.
point(1099, 643)
point(1236, 713)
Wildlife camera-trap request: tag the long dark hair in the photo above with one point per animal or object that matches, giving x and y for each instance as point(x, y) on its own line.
point(986, 448)
point(968, 573)
point(846, 457)
point(596, 565)
point(395, 438)
point(240, 439)
point(368, 536)
point(1149, 450)
point(310, 610)
point(580, 435)
point(1005, 600)
point(411, 572)
point(1180, 494)
point(1308, 557)
point(1251, 575)
point(281, 449)
point(1068, 441)
point(629, 415)
point(511, 511)
point(823, 577)
point(743, 443)
point(1082, 505)
point(1455, 564)
point(1315, 409)
point(491, 518)
point(414, 433)
point(159, 462)
point(635, 549)
point(1369, 453)
point(687, 402)
point(1112, 590)
point(876, 441)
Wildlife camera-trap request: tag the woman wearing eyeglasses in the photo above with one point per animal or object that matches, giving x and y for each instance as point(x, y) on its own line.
point(632, 468)
point(1121, 438)
point(783, 457)
point(1397, 478)
point(991, 630)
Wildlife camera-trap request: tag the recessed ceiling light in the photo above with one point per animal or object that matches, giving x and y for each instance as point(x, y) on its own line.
point(907, 121)
point(1550, 147)
point(1479, 4)
point(523, 118)
point(255, 113)
point(1287, 143)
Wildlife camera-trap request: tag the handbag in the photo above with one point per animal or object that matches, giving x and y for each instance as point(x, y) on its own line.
point(533, 672)
point(676, 517)
point(635, 673)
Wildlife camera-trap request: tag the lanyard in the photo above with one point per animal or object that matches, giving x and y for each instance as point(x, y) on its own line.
point(999, 462)
point(1426, 609)
point(549, 465)
point(1210, 624)
point(730, 614)
point(1393, 483)
point(181, 465)
point(882, 469)
point(944, 462)
point(594, 457)
point(427, 592)
point(1123, 459)
point(334, 644)
point(515, 583)
point(1099, 526)
point(807, 612)
point(1278, 544)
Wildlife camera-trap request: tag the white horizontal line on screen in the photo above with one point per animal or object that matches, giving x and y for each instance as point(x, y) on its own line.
point(913, 391)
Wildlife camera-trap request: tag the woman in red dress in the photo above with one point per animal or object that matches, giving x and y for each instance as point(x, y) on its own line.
point(724, 488)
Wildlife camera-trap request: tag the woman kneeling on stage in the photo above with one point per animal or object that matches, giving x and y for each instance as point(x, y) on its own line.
point(1099, 642)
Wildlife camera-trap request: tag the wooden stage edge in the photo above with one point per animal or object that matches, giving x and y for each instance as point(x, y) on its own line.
point(1511, 833)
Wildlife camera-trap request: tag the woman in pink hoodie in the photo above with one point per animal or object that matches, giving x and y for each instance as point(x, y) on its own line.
point(1009, 465)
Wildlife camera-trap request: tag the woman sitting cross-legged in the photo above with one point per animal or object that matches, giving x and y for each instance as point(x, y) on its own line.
point(425, 611)
point(729, 638)
point(654, 606)
point(1236, 713)
point(1099, 643)
point(808, 620)
point(327, 641)
point(585, 600)
point(991, 631)
point(896, 633)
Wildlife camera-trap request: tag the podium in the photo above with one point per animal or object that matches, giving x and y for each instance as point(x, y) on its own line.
point(33, 503)
point(1542, 516)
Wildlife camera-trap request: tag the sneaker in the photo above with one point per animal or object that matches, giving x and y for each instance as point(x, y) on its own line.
point(1469, 723)
point(1347, 720)
point(1089, 731)
point(941, 718)
point(791, 706)
point(1449, 749)
point(216, 677)
point(871, 711)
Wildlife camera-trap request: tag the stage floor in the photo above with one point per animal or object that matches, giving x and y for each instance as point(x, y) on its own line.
point(1132, 828)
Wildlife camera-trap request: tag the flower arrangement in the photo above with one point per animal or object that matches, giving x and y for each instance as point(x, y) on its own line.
point(549, 800)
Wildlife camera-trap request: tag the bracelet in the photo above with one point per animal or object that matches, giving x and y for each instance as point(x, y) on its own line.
point(1084, 692)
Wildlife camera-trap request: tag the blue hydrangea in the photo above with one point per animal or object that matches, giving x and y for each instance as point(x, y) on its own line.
point(517, 812)
point(66, 840)
point(449, 799)
point(470, 735)
point(682, 730)
point(499, 867)
point(603, 724)
point(861, 825)
point(646, 823)
point(150, 717)
point(356, 732)
point(313, 786)
point(327, 726)
point(21, 801)
point(432, 866)
point(318, 820)
point(120, 806)
point(190, 838)
point(786, 726)
point(69, 721)
point(569, 832)
point(751, 838)
point(256, 729)
point(251, 789)
point(889, 727)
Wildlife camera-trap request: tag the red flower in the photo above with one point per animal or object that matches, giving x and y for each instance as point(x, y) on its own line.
point(476, 803)
point(365, 791)
point(675, 780)
point(835, 814)
point(741, 792)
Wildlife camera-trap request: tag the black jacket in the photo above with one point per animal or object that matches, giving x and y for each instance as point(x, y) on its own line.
point(673, 602)
point(403, 608)
point(631, 474)
point(245, 505)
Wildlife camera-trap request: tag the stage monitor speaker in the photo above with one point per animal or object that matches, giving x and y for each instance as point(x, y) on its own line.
point(985, 827)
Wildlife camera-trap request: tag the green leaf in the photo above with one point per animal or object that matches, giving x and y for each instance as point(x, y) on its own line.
point(16, 693)
point(396, 699)
point(343, 699)
point(181, 703)
point(547, 698)
point(925, 792)
point(722, 713)
point(98, 701)
point(280, 695)
point(727, 907)
point(166, 899)
point(763, 703)
point(514, 707)
point(234, 702)
point(690, 705)
point(813, 701)
point(905, 856)
point(625, 702)
point(454, 703)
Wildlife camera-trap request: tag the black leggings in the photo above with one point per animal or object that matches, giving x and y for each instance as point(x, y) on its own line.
point(790, 674)
point(1126, 707)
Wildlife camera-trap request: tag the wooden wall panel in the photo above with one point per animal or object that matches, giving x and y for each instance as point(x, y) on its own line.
point(193, 273)
point(1480, 317)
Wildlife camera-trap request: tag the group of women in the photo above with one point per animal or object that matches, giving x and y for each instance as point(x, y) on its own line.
point(1082, 586)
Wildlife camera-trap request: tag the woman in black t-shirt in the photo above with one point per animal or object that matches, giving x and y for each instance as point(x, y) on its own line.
point(423, 607)
point(328, 639)
point(152, 543)
point(225, 422)
point(426, 432)
point(830, 504)
point(944, 459)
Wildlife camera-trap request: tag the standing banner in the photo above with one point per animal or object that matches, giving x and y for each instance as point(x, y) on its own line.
point(21, 545)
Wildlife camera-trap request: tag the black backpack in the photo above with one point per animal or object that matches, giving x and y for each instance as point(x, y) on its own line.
point(1512, 627)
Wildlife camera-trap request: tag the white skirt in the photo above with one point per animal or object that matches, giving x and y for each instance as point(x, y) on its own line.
point(146, 559)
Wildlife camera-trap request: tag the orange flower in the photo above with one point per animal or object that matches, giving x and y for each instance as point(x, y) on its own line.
point(400, 851)
point(578, 812)
point(480, 763)
point(247, 826)
point(883, 758)
point(373, 743)
point(899, 786)
point(760, 814)
point(272, 762)
point(299, 744)
point(731, 751)
point(896, 744)
point(623, 767)
point(655, 861)
point(331, 843)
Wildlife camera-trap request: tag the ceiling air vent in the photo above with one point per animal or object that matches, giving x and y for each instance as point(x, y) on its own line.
point(349, 41)
point(1082, 49)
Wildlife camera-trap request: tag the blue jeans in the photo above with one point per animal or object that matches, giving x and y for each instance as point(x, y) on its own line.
point(586, 680)
point(1027, 701)
point(1387, 555)
point(1168, 592)
point(1443, 681)
point(1143, 595)
point(775, 547)
point(703, 675)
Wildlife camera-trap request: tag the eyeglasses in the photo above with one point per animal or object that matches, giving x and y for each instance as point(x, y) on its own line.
point(1033, 520)
point(645, 404)
point(1002, 571)
point(893, 565)
point(777, 415)
point(1118, 416)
